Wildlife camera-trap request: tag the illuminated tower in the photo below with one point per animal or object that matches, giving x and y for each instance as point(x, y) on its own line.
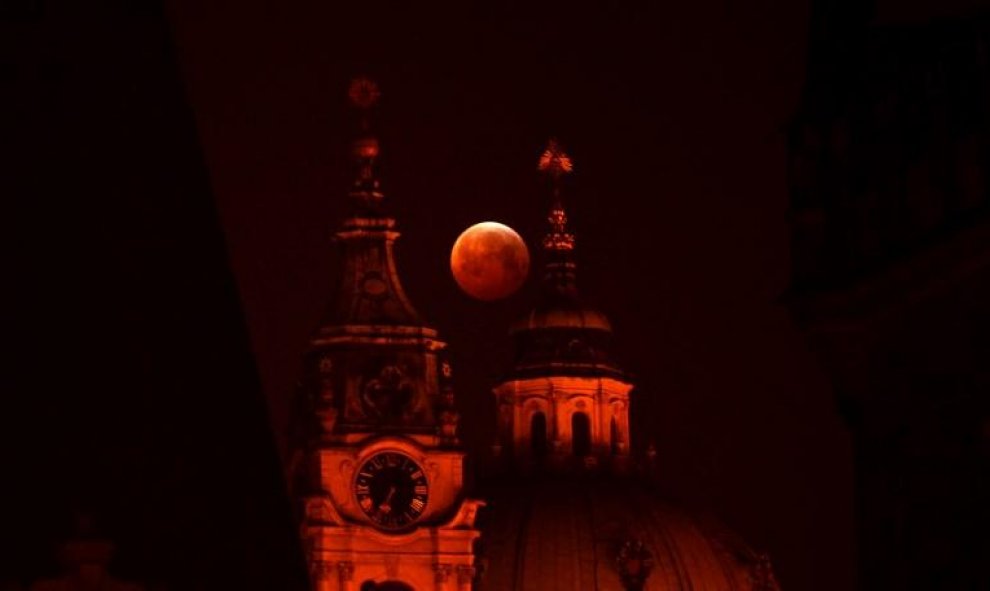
point(564, 403)
point(570, 513)
point(377, 466)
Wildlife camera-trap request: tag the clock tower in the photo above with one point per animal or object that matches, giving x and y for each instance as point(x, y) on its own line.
point(376, 468)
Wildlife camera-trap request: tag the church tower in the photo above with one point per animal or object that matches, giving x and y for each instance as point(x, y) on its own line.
point(564, 404)
point(570, 512)
point(377, 468)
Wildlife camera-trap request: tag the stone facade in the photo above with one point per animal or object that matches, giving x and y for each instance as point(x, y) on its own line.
point(377, 469)
point(378, 472)
point(570, 508)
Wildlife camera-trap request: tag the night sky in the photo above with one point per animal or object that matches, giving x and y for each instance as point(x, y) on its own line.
point(675, 117)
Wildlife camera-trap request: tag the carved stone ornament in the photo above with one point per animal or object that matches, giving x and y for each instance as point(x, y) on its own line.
point(373, 286)
point(634, 562)
point(321, 569)
point(327, 418)
point(448, 421)
point(465, 574)
point(442, 572)
point(432, 470)
point(389, 395)
point(345, 571)
point(320, 510)
point(466, 514)
point(762, 574)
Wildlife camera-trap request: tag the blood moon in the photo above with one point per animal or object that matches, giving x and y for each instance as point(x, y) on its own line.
point(489, 261)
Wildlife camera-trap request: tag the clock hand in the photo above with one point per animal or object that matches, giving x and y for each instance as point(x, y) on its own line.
point(385, 506)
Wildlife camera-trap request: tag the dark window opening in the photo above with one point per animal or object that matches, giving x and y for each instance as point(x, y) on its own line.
point(538, 434)
point(581, 434)
point(614, 437)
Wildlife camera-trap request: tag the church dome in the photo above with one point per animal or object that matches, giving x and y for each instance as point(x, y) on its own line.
point(562, 314)
point(563, 336)
point(608, 535)
point(566, 515)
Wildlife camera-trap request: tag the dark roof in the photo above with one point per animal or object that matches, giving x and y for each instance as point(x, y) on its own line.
point(568, 533)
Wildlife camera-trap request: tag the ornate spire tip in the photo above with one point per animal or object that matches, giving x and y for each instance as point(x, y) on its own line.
point(554, 160)
point(364, 93)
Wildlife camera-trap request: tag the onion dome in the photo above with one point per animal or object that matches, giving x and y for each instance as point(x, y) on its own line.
point(608, 535)
point(561, 335)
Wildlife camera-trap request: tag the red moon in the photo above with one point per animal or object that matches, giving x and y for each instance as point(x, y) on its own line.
point(489, 261)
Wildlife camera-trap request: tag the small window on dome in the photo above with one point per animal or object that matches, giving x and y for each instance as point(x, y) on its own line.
point(538, 435)
point(581, 434)
point(614, 437)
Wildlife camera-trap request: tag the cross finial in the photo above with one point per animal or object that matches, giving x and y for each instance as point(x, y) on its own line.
point(555, 162)
point(364, 92)
point(364, 95)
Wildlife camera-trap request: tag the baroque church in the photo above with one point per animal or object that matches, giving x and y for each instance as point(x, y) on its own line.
point(888, 156)
point(377, 470)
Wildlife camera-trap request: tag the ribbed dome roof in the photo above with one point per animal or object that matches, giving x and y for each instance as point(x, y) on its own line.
point(562, 336)
point(569, 535)
point(562, 315)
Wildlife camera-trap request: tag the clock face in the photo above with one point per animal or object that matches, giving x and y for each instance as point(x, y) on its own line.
point(391, 489)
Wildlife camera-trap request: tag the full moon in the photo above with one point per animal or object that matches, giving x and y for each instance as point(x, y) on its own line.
point(489, 261)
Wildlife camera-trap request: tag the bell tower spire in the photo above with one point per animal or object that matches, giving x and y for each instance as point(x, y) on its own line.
point(558, 242)
point(377, 467)
point(366, 190)
point(555, 163)
point(369, 291)
point(564, 405)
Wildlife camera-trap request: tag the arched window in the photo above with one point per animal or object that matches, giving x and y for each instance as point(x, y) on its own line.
point(580, 434)
point(538, 434)
point(614, 437)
